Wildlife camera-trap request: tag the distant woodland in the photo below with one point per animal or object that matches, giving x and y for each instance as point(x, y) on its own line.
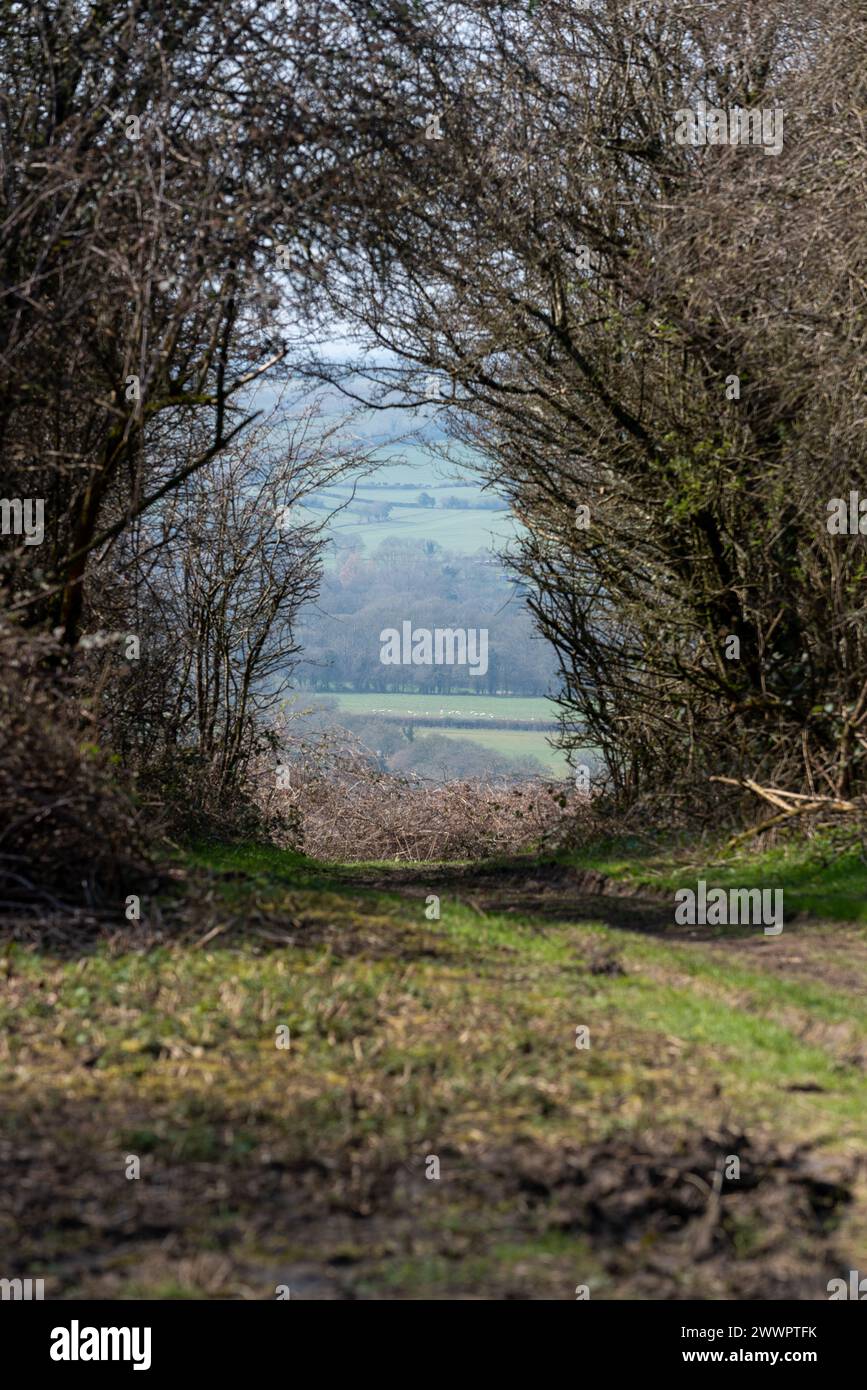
point(432, 587)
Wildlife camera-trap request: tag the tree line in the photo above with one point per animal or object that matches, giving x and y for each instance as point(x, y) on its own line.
point(432, 587)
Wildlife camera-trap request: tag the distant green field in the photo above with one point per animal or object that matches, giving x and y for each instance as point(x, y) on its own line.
point(463, 531)
point(452, 528)
point(482, 707)
point(511, 743)
point(419, 464)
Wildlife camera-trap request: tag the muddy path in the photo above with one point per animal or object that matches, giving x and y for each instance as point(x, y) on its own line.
point(553, 891)
point(538, 892)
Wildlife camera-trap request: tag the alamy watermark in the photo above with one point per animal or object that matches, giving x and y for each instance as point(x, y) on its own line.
point(711, 125)
point(720, 907)
point(855, 1289)
point(23, 516)
point(440, 646)
point(25, 1290)
point(77, 1343)
point(847, 516)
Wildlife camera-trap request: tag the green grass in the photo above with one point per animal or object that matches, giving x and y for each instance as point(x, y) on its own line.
point(815, 877)
point(463, 706)
point(511, 743)
point(464, 531)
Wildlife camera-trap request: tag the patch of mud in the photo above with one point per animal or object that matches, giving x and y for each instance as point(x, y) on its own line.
point(553, 892)
point(632, 1220)
point(679, 1225)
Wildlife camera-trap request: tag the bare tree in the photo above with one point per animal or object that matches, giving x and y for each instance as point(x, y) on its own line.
point(170, 175)
point(199, 607)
